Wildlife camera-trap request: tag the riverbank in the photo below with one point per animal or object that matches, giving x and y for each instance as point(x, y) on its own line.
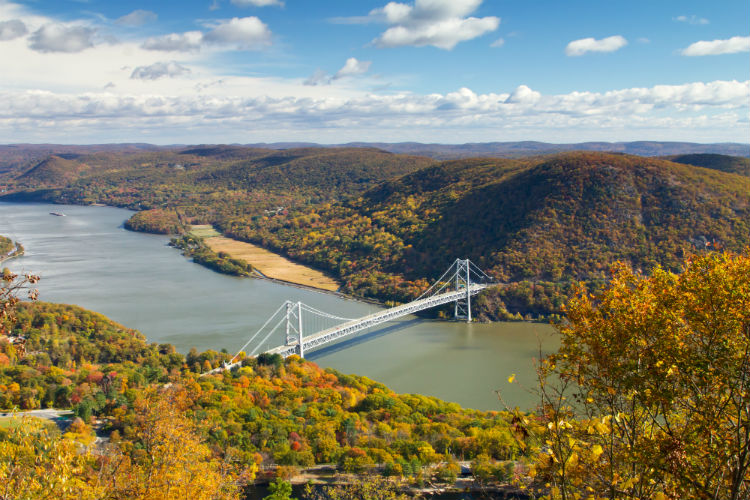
point(9, 249)
point(268, 264)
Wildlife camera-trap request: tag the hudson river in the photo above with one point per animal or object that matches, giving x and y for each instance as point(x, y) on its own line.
point(87, 258)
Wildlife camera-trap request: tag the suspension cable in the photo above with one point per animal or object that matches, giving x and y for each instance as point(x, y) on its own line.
point(323, 313)
point(273, 330)
point(439, 280)
point(259, 330)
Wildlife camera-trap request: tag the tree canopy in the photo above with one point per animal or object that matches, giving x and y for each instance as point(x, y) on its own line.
point(649, 394)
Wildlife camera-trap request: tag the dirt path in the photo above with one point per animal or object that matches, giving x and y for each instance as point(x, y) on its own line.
point(268, 263)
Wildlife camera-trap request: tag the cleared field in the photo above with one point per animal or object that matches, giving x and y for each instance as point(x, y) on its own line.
point(204, 231)
point(270, 264)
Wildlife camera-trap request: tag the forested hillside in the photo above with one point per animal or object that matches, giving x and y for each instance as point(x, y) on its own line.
point(541, 224)
point(732, 164)
point(208, 184)
point(387, 224)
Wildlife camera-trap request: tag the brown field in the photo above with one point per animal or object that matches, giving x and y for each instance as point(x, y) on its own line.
point(270, 264)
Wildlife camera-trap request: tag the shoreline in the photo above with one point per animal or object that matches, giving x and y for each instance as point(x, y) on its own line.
point(16, 252)
point(341, 295)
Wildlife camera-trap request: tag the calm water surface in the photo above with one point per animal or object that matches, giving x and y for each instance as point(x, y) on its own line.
point(88, 259)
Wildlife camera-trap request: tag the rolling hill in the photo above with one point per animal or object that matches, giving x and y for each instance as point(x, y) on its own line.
point(211, 179)
point(550, 221)
point(725, 163)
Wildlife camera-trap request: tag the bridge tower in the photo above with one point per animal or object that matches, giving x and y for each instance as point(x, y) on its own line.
point(291, 328)
point(463, 281)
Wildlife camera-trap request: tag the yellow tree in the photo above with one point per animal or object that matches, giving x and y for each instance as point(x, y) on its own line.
point(649, 394)
point(167, 459)
point(36, 464)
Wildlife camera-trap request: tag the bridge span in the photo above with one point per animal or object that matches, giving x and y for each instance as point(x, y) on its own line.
point(458, 284)
point(357, 325)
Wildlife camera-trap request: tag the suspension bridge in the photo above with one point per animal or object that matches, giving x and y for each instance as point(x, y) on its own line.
point(293, 320)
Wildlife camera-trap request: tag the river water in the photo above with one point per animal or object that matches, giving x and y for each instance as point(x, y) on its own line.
point(87, 258)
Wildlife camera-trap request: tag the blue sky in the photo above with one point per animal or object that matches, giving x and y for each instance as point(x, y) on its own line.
point(336, 71)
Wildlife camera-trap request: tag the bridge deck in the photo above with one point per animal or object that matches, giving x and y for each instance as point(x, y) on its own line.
point(354, 326)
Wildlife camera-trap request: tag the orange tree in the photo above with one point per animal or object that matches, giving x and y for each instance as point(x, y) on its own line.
point(649, 394)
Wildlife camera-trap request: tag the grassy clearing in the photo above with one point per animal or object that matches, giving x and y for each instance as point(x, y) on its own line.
point(204, 231)
point(270, 264)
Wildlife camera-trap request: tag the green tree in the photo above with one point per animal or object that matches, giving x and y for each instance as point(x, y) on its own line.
point(280, 490)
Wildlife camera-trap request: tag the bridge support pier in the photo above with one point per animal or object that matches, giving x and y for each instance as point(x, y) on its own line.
point(299, 330)
point(291, 328)
point(463, 281)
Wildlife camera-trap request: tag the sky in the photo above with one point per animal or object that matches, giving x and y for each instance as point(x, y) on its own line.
point(447, 71)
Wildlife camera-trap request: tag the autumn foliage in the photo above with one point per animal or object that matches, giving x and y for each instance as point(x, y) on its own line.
point(652, 398)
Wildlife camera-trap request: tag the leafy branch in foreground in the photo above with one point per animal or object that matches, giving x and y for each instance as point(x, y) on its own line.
point(12, 286)
point(649, 394)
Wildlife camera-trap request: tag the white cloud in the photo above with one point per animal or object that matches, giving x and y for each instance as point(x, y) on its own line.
point(694, 111)
point(10, 30)
point(62, 38)
point(439, 23)
point(609, 44)
point(245, 33)
point(353, 67)
point(523, 95)
point(691, 19)
point(158, 70)
point(498, 43)
point(257, 3)
point(138, 17)
point(717, 47)
point(248, 33)
point(175, 42)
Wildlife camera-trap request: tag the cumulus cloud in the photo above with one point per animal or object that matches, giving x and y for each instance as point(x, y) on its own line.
point(353, 67)
point(136, 18)
point(62, 38)
point(717, 47)
point(498, 43)
point(690, 110)
point(609, 44)
point(248, 33)
point(523, 95)
point(257, 3)
point(439, 23)
point(691, 19)
point(175, 42)
point(158, 70)
point(10, 30)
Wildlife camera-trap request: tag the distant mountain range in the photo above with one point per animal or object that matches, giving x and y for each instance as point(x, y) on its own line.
point(13, 156)
point(533, 148)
